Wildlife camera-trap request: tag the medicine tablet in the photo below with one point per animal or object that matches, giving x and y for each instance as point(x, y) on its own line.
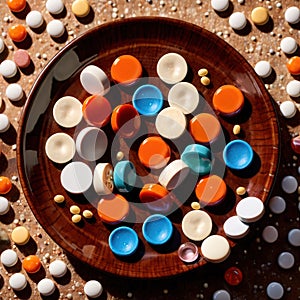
point(286, 260)
point(235, 228)
point(17, 33)
point(2, 45)
point(260, 15)
point(22, 58)
point(9, 258)
point(93, 289)
point(289, 184)
point(4, 123)
point(4, 205)
point(293, 88)
point(31, 264)
point(80, 8)
point(55, 28)
point(215, 248)
point(263, 69)
point(8, 68)
point(18, 281)
point(20, 235)
point(58, 268)
point(275, 290)
point(14, 92)
point(237, 21)
point(54, 7)
point(103, 179)
point(221, 295)
point(288, 45)
point(34, 19)
point(16, 5)
point(277, 205)
point(46, 287)
point(288, 109)
point(292, 15)
point(270, 234)
point(294, 237)
point(250, 209)
point(219, 5)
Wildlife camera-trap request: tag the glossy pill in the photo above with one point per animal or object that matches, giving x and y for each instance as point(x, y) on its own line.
point(292, 15)
point(87, 214)
point(277, 205)
point(221, 295)
point(205, 80)
point(263, 69)
point(55, 7)
point(293, 88)
point(31, 264)
point(294, 237)
point(4, 123)
point(34, 19)
point(76, 218)
point(5, 185)
point(55, 28)
point(4, 206)
point(289, 184)
point(241, 191)
point(59, 198)
point(288, 109)
point(58, 268)
point(233, 276)
point(8, 68)
point(275, 290)
point(20, 235)
point(293, 65)
point(16, 5)
point(286, 260)
point(17, 33)
point(219, 5)
point(270, 234)
point(18, 281)
point(9, 258)
point(93, 289)
point(22, 58)
point(80, 8)
point(14, 92)
point(260, 15)
point(237, 21)
point(215, 248)
point(202, 72)
point(288, 45)
point(74, 209)
point(46, 287)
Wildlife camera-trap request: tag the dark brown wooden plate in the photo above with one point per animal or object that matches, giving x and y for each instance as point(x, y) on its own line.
point(148, 39)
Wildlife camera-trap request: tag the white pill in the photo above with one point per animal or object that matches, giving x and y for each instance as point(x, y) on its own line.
point(55, 7)
point(18, 281)
point(93, 289)
point(294, 237)
point(238, 21)
point(286, 260)
point(221, 295)
point(288, 45)
point(55, 28)
point(9, 258)
point(58, 268)
point(219, 5)
point(215, 248)
point(275, 290)
point(288, 109)
point(103, 179)
point(235, 228)
point(277, 205)
point(14, 92)
point(46, 287)
point(293, 88)
point(270, 234)
point(250, 209)
point(94, 80)
point(263, 69)
point(2, 45)
point(292, 15)
point(4, 205)
point(4, 123)
point(289, 184)
point(34, 19)
point(8, 68)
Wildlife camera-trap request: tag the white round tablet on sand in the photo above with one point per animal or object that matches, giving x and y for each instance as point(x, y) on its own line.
point(93, 289)
point(8, 68)
point(4, 205)
point(55, 7)
point(250, 209)
point(219, 5)
point(58, 268)
point(237, 21)
point(288, 45)
point(34, 19)
point(288, 109)
point(18, 281)
point(55, 28)
point(292, 15)
point(9, 258)
point(263, 69)
point(293, 88)
point(235, 228)
point(4, 123)
point(14, 92)
point(46, 287)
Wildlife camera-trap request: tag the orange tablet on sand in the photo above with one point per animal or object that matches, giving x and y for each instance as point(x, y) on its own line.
point(293, 65)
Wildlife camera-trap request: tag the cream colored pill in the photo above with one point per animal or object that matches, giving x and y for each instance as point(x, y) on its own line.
point(263, 69)
point(93, 289)
point(14, 92)
point(55, 7)
point(58, 268)
point(59, 198)
point(235, 228)
point(288, 109)
point(195, 205)
point(250, 209)
point(237, 21)
point(46, 287)
point(219, 5)
point(288, 45)
point(236, 129)
point(80, 8)
point(205, 80)
point(87, 214)
point(292, 15)
point(55, 28)
point(34, 19)
point(215, 248)
point(293, 88)
point(240, 191)
point(103, 179)
point(202, 72)
point(8, 68)
point(9, 258)
point(74, 209)
point(20, 235)
point(260, 15)
point(18, 281)
point(67, 111)
point(76, 218)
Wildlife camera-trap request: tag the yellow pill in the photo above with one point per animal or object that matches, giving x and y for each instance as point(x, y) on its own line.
point(240, 191)
point(20, 235)
point(80, 8)
point(236, 129)
point(195, 205)
point(87, 214)
point(76, 218)
point(205, 80)
point(202, 72)
point(59, 198)
point(75, 210)
point(260, 15)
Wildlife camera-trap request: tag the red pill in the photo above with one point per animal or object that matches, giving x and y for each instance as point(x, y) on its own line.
point(5, 185)
point(295, 143)
point(22, 58)
point(233, 276)
point(16, 5)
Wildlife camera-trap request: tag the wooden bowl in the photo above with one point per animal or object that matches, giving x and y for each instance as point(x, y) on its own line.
point(147, 39)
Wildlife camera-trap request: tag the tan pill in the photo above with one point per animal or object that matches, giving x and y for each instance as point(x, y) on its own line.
point(195, 205)
point(59, 198)
point(74, 209)
point(202, 72)
point(241, 191)
point(205, 80)
point(87, 214)
point(236, 129)
point(76, 218)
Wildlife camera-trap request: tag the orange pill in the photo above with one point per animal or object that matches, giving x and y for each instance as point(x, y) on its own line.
point(5, 185)
point(17, 33)
point(152, 192)
point(31, 264)
point(293, 65)
point(16, 5)
point(126, 69)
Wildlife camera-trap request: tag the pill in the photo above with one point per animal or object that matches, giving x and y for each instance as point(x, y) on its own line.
point(67, 111)
point(59, 198)
point(16, 5)
point(263, 69)
point(76, 218)
point(205, 80)
point(260, 15)
point(17, 33)
point(293, 65)
point(286, 260)
point(195, 205)
point(31, 264)
point(93, 289)
point(289, 184)
point(237, 21)
point(4, 205)
point(270, 234)
point(219, 5)
point(124, 176)
point(54, 7)
point(58, 268)
point(294, 237)
point(295, 144)
point(74, 209)
point(103, 179)
point(18, 281)
point(221, 295)
point(277, 205)
point(288, 45)
point(241, 191)
point(202, 72)
point(55, 28)
point(288, 109)
point(235, 228)
point(4, 123)
point(14, 92)
point(9, 258)
point(233, 276)
point(188, 252)
point(293, 88)
point(22, 58)
point(20, 235)
point(34, 19)
point(60, 147)
point(8, 68)
point(94, 80)
point(215, 248)
point(87, 214)
point(5, 185)
point(80, 8)
point(171, 68)
point(120, 155)
point(292, 15)
point(275, 290)
point(46, 287)
point(2, 45)
point(250, 209)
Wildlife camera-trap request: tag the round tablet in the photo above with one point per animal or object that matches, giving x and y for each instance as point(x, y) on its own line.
point(289, 184)
point(80, 8)
point(288, 109)
point(4, 205)
point(286, 260)
point(196, 225)
point(184, 96)
point(124, 176)
point(46, 287)
point(16, 6)
point(20, 235)
point(54, 7)
point(93, 289)
point(14, 92)
point(260, 15)
point(67, 111)
point(2, 45)
point(55, 28)
point(263, 69)
point(4, 123)
point(18, 281)
point(293, 65)
point(292, 15)
point(275, 290)
point(219, 5)
point(293, 88)
point(237, 21)
point(294, 237)
point(103, 179)
point(235, 228)
point(288, 45)
point(277, 205)
point(34, 19)
point(250, 209)
point(8, 68)
point(170, 123)
point(17, 33)
point(215, 248)
point(22, 58)
point(76, 177)
point(9, 258)
point(60, 147)
point(221, 295)
point(270, 234)
point(171, 68)
point(31, 264)
point(5, 185)
point(58, 268)
point(94, 80)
